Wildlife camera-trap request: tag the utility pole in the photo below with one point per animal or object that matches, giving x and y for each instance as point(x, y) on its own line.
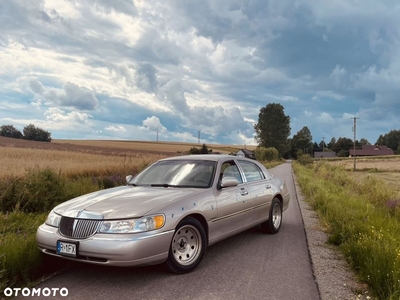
point(198, 137)
point(157, 136)
point(323, 144)
point(355, 135)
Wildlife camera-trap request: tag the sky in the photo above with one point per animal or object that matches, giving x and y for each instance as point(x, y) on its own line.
point(179, 70)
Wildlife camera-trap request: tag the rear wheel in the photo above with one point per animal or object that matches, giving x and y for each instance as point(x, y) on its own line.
point(274, 222)
point(188, 246)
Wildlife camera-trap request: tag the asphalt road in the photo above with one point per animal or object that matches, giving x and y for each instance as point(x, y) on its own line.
point(251, 265)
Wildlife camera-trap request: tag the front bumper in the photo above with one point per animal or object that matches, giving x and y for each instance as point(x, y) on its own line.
point(111, 249)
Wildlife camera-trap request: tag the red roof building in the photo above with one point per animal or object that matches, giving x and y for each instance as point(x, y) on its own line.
point(372, 150)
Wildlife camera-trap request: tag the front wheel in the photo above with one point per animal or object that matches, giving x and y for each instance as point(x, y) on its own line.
point(274, 222)
point(188, 246)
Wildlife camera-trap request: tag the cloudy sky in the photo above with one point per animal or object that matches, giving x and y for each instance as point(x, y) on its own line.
point(123, 69)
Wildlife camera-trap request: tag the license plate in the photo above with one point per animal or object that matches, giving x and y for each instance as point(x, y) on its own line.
point(66, 248)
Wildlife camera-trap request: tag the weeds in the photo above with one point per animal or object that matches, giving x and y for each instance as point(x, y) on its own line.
point(359, 222)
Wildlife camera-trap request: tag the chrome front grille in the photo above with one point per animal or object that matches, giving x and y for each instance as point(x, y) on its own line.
point(78, 228)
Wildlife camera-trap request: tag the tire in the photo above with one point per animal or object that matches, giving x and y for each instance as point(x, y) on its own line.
point(274, 222)
point(188, 246)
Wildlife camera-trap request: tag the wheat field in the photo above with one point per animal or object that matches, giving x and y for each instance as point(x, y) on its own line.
point(15, 162)
point(88, 157)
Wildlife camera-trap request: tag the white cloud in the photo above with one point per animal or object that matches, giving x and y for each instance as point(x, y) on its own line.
point(116, 128)
point(323, 95)
point(338, 75)
point(153, 124)
point(307, 113)
point(59, 119)
point(325, 118)
point(37, 103)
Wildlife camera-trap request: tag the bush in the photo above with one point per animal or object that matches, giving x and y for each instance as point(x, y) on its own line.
point(36, 134)
point(305, 159)
point(10, 131)
point(266, 154)
point(203, 150)
point(39, 191)
point(343, 153)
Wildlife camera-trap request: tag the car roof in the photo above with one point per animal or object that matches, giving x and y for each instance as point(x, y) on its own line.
point(210, 157)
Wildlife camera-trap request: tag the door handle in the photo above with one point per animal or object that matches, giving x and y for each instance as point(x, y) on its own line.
point(267, 186)
point(244, 193)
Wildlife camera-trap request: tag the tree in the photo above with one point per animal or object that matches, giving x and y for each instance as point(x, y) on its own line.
point(36, 134)
point(10, 131)
point(302, 140)
point(273, 128)
point(316, 147)
point(322, 145)
point(364, 141)
point(390, 139)
point(343, 145)
point(332, 143)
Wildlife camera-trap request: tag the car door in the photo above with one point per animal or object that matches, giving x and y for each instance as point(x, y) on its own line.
point(259, 187)
point(233, 203)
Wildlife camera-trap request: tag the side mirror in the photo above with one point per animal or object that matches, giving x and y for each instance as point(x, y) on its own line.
point(229, 181)
point(128, 178)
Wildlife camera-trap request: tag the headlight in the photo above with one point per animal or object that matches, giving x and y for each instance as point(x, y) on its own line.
point(133, 225)
point(53, 219)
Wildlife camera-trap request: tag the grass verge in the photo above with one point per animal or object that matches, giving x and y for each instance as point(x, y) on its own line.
point(24, 205)
point(358, 220)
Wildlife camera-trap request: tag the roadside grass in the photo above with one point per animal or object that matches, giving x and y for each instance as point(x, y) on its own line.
point(362, 217)
point(21, 263)
point(272, 164)
point(26, 199)
point(24, 205)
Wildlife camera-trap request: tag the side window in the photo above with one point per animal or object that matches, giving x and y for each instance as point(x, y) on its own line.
point(230, 169)
point(251, 171)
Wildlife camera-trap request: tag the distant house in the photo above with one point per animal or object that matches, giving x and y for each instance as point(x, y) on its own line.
point(246, 153)
point(371, 150)
point(320, 154)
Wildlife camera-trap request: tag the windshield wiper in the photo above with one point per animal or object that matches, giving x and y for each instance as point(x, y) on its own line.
point(166, 185)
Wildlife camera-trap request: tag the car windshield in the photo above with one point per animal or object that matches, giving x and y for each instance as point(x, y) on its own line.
point(178, 173)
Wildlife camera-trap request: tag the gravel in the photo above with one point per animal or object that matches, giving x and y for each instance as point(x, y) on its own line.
point(334, 277)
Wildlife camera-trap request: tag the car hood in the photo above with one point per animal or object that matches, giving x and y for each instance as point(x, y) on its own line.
point(121, 202)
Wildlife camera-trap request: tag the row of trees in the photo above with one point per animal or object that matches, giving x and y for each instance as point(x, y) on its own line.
point(30, 132)
point(273, 130)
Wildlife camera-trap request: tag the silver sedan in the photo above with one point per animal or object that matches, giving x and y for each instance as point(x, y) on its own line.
point(170, 213)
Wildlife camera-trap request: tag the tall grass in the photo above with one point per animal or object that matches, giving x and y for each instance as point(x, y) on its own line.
point(360, 221)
